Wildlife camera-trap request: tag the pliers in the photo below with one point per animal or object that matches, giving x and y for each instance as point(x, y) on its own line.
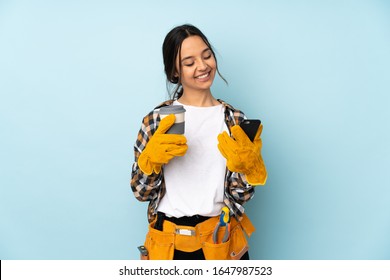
point(224, 221)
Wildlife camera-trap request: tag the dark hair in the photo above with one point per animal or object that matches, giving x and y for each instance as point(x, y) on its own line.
point(171, 49)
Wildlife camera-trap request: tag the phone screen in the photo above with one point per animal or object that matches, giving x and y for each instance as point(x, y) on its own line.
point(250, 128)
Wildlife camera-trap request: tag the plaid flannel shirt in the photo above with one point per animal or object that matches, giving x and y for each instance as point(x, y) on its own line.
point(152, 187)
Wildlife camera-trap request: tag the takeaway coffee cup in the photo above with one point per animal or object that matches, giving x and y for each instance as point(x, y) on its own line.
point(178, 110)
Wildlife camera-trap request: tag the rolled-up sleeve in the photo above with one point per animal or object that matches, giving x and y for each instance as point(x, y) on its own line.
point(145, 187)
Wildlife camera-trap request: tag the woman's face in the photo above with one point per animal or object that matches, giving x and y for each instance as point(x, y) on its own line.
point(198, 65)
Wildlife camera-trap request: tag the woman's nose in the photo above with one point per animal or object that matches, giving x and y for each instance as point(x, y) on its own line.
point(202, 65)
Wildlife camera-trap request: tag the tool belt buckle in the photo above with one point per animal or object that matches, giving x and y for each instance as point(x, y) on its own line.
point(184, 231)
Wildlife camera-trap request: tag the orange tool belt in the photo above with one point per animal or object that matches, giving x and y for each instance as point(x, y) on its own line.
point(160, 245)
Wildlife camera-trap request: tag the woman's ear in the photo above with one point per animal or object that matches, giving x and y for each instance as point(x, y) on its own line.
point(175, 78)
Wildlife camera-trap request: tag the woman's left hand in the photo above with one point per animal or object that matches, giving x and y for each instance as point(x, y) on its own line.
point(243, 155)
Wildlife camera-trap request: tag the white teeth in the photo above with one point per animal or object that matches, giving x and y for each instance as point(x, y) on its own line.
point(203, 76)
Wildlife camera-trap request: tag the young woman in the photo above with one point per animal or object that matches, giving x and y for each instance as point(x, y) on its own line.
point(196, 183)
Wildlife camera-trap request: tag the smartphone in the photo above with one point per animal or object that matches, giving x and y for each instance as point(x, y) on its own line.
point(250, 127)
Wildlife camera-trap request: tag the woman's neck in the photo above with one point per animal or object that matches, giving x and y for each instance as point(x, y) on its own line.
point(199, 99)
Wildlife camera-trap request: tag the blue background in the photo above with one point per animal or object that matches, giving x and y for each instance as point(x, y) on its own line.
point(76, 78)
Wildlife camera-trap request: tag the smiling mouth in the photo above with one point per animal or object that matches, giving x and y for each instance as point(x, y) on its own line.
point(203, 76)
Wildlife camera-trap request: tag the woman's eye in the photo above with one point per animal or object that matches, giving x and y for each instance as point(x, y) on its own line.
point(207, 57)
point(189, 64)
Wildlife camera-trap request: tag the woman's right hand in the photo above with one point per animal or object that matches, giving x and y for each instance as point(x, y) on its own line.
point(162, 147)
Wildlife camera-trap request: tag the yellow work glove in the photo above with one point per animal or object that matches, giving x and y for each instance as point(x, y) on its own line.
point(243, 155)
point(162, 147)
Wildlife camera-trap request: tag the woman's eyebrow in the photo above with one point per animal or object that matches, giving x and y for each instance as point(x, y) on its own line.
point(187, 57)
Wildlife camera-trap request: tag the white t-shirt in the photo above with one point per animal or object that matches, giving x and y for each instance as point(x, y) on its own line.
point(195, 181)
